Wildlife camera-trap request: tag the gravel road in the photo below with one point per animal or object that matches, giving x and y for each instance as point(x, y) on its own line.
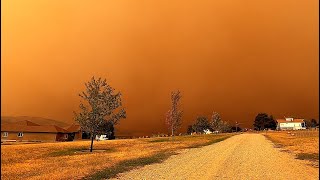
point(245, 156)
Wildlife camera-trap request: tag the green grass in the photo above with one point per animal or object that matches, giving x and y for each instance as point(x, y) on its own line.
point(308, 156)
point(129, 165)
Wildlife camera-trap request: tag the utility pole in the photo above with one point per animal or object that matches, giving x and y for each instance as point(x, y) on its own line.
point(236, 126)
point(237, 123)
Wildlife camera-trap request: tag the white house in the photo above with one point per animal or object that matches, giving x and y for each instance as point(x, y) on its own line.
point(290, 124)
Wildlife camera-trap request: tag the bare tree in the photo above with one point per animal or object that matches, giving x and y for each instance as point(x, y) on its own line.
point(102, 106)
point(174, 115)
point(216, 122)
point(225, 127)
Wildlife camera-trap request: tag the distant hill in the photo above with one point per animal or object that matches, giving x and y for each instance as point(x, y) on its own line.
point(21, 120)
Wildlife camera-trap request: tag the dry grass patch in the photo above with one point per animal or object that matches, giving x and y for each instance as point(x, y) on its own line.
point(305, 145)
point(128, 165)
point(212, 141)
point(307, 156)
point(77, 151)
point(61, 160)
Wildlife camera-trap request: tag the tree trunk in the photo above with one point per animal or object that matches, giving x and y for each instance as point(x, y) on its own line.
point(172, 131)
point(91, 147)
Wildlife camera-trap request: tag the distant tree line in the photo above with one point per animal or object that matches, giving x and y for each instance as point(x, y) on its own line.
point(101, 109)
point(311, 123)
point(215, 124)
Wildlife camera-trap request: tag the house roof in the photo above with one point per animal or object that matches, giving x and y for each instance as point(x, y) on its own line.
point(24, 128)
point(73, 128)
point(34, 124)
point(28, 120)
point(27, 123)
point(294, 121)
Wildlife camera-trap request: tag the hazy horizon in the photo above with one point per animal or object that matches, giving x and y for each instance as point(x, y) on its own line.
point(238, 58)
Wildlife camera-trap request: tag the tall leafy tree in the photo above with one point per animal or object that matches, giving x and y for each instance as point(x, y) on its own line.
point(314, 123)
point(308, 123)
point(174, 115)
point(101, 107)
point(272, 124)
point(201, 124)
point(263, 121)
point(311, 123)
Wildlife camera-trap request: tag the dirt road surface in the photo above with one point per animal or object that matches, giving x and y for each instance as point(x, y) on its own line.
point(245, 156)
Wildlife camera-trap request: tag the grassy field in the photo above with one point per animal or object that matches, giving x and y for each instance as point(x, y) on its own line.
point(70, 160)
point(304, 144)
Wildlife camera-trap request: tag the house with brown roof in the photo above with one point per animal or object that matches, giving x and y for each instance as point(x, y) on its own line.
point(74, 131)
point(27, 130)
point(291, 124)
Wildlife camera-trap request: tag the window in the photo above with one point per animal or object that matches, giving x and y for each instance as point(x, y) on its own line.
point(5, 134)
point(20, 134)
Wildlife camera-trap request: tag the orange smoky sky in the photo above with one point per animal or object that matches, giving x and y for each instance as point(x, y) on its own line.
point(236, 57)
